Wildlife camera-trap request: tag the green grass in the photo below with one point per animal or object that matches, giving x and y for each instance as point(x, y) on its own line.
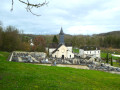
point(103, 55)
point(4, 56)
point(116, 64)
point(24, 76)
point(76, 50)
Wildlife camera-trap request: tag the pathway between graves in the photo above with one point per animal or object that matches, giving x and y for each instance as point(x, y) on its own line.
point(115, 55)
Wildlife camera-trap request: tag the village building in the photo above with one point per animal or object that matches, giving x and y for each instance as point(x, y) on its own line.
point(31, 42)
point(89, 51)
point(62, 50)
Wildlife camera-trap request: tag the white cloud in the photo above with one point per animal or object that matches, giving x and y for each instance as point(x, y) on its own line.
point(75, 16)
point(86, 29)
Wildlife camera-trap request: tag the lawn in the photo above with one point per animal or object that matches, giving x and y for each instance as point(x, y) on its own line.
point(25, 76)
point(116, 64)
point(103, 55)
point(75, 50)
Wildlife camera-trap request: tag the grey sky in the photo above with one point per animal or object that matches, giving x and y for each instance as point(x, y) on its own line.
point(75, 16)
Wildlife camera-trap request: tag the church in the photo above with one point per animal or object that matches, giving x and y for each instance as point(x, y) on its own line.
point(62, 50)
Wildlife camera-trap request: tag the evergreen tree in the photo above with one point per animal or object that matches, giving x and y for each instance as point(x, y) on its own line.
point(55, 40)
point(107, 58)
point(119, 61)
point(111, 61)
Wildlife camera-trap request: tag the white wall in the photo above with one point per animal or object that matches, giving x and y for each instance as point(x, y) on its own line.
point(81, 53)
point(91, 53)
point(70, 49)
point(51, 50)
point(70, 54)
point(46, 49)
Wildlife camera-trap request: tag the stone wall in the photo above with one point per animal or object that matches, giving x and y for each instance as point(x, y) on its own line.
point(27, 56)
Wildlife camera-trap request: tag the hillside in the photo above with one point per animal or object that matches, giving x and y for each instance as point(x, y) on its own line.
point(109, 33)
point(24, 76)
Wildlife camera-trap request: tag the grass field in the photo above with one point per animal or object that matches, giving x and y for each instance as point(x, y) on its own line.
point(24, 76)
point(116, 64)
point(103, 55)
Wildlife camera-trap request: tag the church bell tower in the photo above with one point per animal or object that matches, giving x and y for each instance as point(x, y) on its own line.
point(61, 36)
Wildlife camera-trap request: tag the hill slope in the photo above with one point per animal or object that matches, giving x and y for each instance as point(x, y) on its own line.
point(25, 76)
point(109, 33)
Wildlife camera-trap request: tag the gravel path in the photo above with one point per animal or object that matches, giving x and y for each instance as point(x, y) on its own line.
point(116, 55)
point(64, 65)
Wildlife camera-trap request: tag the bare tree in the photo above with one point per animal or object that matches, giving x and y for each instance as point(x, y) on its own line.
point(30, 6)
point(0, 23)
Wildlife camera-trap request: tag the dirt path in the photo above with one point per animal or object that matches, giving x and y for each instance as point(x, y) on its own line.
point(72, 66)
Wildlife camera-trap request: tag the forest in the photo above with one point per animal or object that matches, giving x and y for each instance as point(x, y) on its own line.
point(12, 39)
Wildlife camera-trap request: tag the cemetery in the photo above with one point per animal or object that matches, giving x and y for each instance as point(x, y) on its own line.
point(41, 58)
point(32, 57)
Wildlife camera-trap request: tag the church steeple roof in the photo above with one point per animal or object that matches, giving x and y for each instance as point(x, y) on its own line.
point(61, 32)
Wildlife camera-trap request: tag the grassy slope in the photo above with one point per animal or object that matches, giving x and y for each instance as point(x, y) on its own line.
point(23, 76)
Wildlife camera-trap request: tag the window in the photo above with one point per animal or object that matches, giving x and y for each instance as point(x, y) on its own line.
point(70, 56)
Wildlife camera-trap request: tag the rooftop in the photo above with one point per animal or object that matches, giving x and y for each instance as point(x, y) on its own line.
point(61, 32)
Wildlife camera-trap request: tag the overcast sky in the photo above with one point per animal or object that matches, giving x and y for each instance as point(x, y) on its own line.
point(74, 16)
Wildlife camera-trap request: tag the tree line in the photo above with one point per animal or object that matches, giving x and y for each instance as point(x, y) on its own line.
point(12, 39)
point(107, 41)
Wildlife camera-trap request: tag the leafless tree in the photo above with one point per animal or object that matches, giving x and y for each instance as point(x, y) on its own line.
point(30, 6)
point(0, 23)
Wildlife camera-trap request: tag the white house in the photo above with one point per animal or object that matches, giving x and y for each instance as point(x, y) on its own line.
point(61, 50)
point(89, 51)
point(31, 42)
